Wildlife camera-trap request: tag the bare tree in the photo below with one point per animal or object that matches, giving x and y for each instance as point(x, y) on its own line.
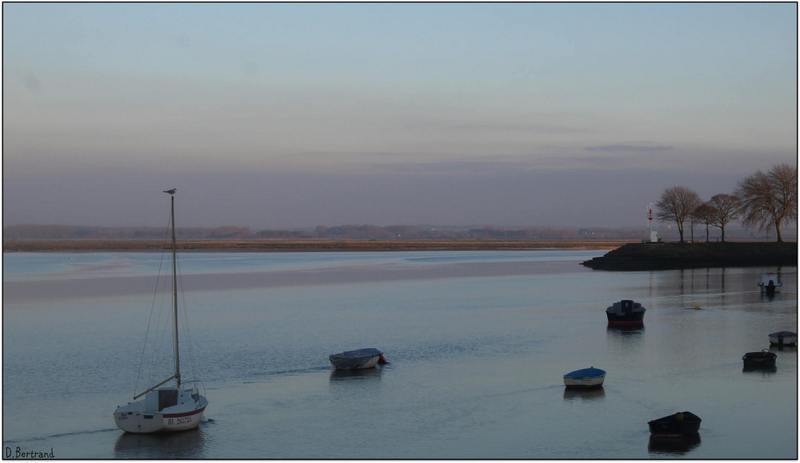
point(725, 209)
point(704, 214)
point(769, 200)
point(676, 204)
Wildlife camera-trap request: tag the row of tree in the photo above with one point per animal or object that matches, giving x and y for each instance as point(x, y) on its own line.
point(764, 201)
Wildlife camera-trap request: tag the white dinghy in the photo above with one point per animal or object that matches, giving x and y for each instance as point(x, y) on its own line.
point(783, 338)
point(163, 408)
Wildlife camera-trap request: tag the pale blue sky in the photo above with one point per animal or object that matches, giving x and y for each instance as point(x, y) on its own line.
point(457, 101)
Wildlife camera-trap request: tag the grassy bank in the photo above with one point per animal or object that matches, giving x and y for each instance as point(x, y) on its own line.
point(297, 245)
point(663, 256)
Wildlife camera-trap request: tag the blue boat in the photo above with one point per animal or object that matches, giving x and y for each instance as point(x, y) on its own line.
point(585, 378)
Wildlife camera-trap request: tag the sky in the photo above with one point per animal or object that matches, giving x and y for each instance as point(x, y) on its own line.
point(296, 115)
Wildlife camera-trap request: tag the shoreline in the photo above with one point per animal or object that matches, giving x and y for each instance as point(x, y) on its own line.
point(303, 245)
point(671, 256)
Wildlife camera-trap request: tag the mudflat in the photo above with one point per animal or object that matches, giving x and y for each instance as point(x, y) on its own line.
point(303, 245)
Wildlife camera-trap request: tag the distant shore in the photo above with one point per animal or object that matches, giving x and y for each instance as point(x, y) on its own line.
point(301, 245)
point(666, 256)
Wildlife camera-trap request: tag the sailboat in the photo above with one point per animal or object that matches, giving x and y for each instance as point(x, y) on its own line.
point(165, 407)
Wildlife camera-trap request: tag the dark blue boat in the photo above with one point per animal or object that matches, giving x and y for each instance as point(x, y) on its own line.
point(759, 360)
point(678, 424)
point(357, 359)
point(626, 313)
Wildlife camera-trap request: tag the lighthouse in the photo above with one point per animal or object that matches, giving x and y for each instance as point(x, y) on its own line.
point(653, 233)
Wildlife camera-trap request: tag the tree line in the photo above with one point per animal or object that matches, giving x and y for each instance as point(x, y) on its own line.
point(764, 201)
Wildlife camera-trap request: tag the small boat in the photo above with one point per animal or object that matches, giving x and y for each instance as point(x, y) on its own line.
point(165, 408)
point(769, 283)
point(783, 338)
point(763, 360)
point(678, 424)
point(357, 359)
point(625, 313)
point(586, 378)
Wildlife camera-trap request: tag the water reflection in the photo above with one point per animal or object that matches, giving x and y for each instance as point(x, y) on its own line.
point(623, 339)
point(356, 375)
point(584, 394)
point(185, 444)
point(673, 444)
point(783, 348)
point(624, 331)
point(718, 287)
point(762, 370)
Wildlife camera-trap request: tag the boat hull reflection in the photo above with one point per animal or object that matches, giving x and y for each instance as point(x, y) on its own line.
point(584, 394)
point(187, 444)
point(673, 444)
point(356, 375)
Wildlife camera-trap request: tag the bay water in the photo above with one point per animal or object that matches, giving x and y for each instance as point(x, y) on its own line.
point(478, 343)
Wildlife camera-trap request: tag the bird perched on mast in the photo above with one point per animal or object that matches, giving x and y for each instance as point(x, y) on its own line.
point(172, 191)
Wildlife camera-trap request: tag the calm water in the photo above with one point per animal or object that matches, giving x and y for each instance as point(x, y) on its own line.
point(478, 343)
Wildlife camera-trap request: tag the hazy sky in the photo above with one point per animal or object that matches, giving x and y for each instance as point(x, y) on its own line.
point(284, 115)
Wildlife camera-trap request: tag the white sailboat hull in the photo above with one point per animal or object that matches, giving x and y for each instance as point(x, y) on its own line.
point(158, 422)
point(787, 339)
point(136, 417)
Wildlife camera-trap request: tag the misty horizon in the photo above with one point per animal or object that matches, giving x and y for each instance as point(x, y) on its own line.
point(297, 115)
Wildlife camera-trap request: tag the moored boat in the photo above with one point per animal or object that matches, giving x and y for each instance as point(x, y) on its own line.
point(163, 408)
point(769, 283)
point(625, 313)
point(357, 359)
point(783, 338)
point(586, 378)
point(677, 424)
point(174, 408)
point(763, 360)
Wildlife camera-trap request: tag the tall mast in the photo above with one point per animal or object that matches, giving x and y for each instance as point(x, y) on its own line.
point(175, 288)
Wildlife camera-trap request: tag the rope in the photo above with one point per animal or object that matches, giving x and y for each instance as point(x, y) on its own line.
point(185, 311)
point(149, 318)
point(159, 326)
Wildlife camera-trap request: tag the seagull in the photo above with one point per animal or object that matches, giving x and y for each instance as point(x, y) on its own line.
point(172, 191)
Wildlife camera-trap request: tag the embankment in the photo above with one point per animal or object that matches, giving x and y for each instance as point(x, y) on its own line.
point(664, 256)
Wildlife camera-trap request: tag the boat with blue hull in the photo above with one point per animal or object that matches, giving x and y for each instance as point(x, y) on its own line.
point(586, 378)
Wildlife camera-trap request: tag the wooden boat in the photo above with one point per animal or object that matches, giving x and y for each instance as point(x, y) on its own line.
point(162, 408)
point(625, 313)
point(763, 360)
point(357, 359)
point(586, 378)
point(678, 424)
point(783, 338)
